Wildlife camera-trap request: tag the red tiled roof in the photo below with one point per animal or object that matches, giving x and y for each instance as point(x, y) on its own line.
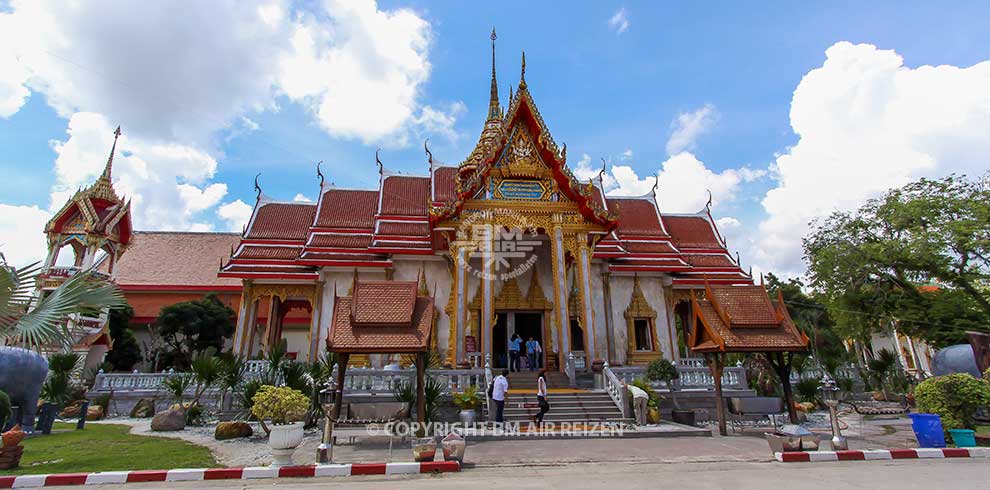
point(347, 337)
point(268, 252)
point(282, 221)
point(269, 269)
point(341, 240)
point(753, 322)
point(647, 247)
point(406, 228)
point(405, 196)
point(340, 208)
point(166, 258)
point(703, 260)
point(445, 184)
point(383, 303)
point(636, 216)
point(691, 231)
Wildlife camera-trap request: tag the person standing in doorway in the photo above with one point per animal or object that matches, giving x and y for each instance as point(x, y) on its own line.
point(532, 352)
point(500, 387)
point(641, 400)
point(541, 396)
point(515, 345)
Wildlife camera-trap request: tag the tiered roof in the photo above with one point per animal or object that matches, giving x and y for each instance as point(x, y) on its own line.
point(742, 319)
point(367, 228)
point(384, 317)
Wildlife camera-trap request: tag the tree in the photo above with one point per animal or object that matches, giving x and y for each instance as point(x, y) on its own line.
point(873, 265)
point(812, 317)
point(191, 327)
point(45, 324)
point(126, 352)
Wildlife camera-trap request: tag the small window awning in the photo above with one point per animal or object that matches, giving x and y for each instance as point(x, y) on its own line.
point(742, 319)
point(381, 317)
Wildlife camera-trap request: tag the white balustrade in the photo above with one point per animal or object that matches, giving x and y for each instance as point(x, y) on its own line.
point(613, 386)
point(691, 378)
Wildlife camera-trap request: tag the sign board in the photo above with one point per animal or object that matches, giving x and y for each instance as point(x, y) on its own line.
point(470, 344)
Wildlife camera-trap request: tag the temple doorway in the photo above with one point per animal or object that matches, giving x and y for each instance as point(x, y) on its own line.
point(500, 342)
point(528, 324)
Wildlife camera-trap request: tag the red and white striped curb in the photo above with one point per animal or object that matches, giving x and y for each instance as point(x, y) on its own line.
point(883, 454)
point(250, 473)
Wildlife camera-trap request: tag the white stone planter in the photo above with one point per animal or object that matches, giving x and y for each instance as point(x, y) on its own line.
point(284, 439)
point(467, 417)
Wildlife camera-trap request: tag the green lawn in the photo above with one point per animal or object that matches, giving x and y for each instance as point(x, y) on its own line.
point(105, 447)
point(983, 430)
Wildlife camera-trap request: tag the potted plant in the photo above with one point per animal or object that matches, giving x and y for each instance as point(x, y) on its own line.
point(468, 401)
point(664, 370)
point(285, 408)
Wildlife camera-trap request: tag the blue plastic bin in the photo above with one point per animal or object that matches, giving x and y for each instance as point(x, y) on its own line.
point(963, 437)
point(928, 429)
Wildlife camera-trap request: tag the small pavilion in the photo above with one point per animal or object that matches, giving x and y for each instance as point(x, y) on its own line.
point(744, 319)
point(382, 317)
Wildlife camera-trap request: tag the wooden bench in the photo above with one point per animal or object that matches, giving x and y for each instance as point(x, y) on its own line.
point(750, 406)
point(362, 419)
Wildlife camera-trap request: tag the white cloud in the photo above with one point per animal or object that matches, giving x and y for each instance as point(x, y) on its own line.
point(21, 240)
point(867, 123)
point(168, 183)
point(689, 126)
point(360, 76)
point(301, 198)
point(683, 183)
point(180, 76)
point(626, 155)
point(236, 214)
point(619, 22)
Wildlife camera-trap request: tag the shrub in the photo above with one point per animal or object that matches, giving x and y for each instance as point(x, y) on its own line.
point(58, 388)
point(664, 370)
point(6, 410)
point(282, 405)
point(467, 399)
point(807, 390)
point(954, 398)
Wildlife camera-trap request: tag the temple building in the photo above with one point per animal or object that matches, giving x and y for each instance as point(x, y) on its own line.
point(507, 242)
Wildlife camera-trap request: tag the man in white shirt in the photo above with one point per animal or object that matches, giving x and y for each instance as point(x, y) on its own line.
point(641, 400)
point(500, 387)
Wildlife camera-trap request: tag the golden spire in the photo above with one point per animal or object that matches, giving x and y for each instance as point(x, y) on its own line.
point(522, 75)
point(109, 167)
point(494, 110)
point(103, 187)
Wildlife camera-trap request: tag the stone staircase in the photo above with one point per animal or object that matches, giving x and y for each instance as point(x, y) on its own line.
point(566, 405)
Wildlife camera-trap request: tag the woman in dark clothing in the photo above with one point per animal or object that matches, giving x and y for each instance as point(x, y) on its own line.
point(541, 396)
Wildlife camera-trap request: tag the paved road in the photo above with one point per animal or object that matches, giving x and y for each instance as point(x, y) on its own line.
point(872, 475)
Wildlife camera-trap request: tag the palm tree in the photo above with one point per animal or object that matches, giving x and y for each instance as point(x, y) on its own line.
point(34, 323)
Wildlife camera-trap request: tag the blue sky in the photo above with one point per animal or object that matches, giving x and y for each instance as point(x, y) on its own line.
point(613, 80)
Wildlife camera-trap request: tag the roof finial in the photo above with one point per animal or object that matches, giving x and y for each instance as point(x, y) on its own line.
point(522, 75)
point(109, 168)
point(257, 188)
point(319, 173)
point(656, 184)
point(494, 111)
point(709, 203)
point(381, 168)
point(563, 152)
point(510, 95)
point(429, 154)
point(601, 173)
point(738, 262)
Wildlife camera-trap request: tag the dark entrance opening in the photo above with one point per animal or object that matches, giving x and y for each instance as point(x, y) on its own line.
point(500, 342)
point(531, 325)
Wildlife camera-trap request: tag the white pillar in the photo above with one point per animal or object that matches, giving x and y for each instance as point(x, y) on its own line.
point(584, 275)
point(487, 290)
point(560, 288)
point(460, 315)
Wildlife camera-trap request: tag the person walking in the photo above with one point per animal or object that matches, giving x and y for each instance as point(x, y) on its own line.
point(515, 344)
point(532, 353)
point(641, 400)
point(500, 387)
point(541, 396)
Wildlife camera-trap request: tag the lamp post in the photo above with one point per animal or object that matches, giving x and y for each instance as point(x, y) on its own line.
point(324, 452)
point(828, 389)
